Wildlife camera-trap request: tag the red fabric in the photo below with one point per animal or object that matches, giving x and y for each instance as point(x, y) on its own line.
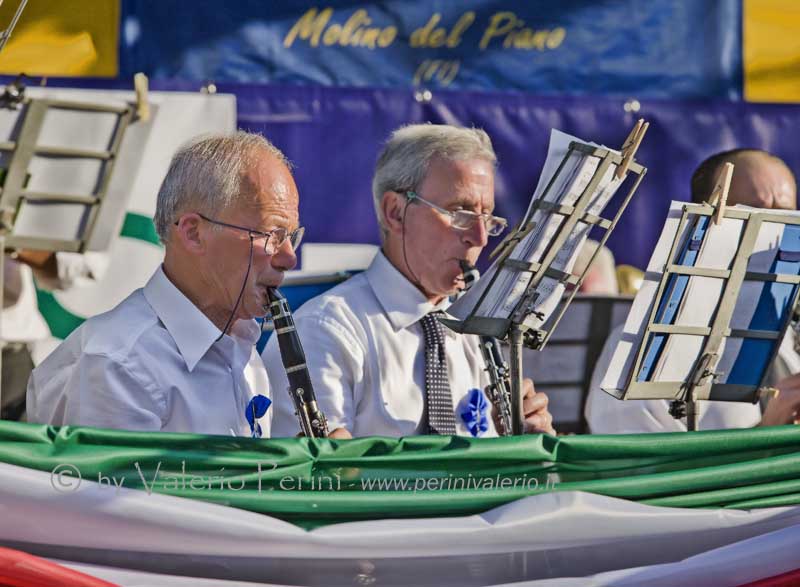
point(20, 569)
point(790, 579)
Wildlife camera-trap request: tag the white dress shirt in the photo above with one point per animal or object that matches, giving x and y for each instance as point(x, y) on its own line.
point(607, 415)
point(152, 363)
point(365, 353)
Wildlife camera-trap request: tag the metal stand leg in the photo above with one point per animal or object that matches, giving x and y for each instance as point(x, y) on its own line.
point(692, 416)
point(518, 414)
point(2, 285)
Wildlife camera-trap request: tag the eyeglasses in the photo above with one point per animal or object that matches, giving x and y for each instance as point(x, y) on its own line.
point(465, 219)
point(273, 239)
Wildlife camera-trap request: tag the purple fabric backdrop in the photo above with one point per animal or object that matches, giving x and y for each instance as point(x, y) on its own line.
point(334, 135)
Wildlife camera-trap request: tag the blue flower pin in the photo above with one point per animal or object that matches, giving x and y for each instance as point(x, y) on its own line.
point(256, 408)
point(474, 412)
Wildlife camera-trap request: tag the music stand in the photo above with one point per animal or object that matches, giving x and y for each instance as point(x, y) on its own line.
point(513, 327)
point(704, 379)
point(57, 158)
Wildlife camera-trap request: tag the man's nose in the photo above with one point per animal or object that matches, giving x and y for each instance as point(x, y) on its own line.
point(285, 258)
point(476, 235)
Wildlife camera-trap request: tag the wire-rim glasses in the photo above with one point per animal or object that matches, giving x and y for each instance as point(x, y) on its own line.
point(465, 219)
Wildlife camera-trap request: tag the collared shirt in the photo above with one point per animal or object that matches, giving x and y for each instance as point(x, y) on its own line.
point(608, 415)
point(364, 348)
point(152, 363)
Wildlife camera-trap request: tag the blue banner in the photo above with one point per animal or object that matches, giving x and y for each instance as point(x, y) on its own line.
point(659, 48)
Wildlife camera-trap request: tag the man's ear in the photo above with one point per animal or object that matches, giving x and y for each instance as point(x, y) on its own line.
point(189, 233)
point(393, 207)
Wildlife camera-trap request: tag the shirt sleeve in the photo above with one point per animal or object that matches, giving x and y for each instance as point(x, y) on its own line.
point(335, 362)
point(97, 390)
point(76, 269)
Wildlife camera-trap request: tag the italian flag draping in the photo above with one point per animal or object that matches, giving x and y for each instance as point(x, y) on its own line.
point(696, 508)
point(371, 478)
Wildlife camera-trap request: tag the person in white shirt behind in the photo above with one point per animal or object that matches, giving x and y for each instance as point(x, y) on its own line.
point(25, 333)
point(761, 180)
point(179, 354)
point(380, 362)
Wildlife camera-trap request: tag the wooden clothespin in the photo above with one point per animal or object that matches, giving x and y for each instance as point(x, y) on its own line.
point(631, 145)
point(719, 195)
point(140, 85)
point(768, 393)
point(503, 244)
point(510, 240)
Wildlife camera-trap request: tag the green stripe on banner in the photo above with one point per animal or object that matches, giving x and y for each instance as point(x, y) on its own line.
point(60, 320)
point(140, 227)
point(314, 482)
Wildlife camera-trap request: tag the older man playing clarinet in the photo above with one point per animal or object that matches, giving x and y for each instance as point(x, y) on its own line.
point(179, 354)
point(381, 362)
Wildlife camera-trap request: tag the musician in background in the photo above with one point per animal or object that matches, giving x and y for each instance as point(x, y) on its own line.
point(761, 180)
point(179, 354)
point(26, 335)
point(380, 362)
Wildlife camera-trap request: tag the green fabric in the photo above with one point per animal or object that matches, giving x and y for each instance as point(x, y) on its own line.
point(60, 320)
point(140, 227)
point(752, 468)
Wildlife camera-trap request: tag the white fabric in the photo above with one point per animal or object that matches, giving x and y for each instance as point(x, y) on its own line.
point(330, 257)
point(730, 565)
point(758, 558)
point(152, 363)
point(22, 322)
point(80, 269)
point(365, 352)
point(607, 415)
point(131, 578)
point(567, 534)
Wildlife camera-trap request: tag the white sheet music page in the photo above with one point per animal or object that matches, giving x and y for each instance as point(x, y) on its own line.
point(567, 186)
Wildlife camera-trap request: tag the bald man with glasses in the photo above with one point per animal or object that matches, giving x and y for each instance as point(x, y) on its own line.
point(380, 361)
point(179, 354)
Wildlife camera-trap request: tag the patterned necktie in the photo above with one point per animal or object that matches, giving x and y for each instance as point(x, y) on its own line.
point(441, 417)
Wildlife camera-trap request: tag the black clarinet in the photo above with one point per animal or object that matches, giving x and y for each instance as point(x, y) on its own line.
point(312, 420)
point(499, 388)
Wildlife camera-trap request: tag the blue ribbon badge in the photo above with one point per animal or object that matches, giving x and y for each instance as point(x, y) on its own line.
point(256, 408)
point(474, 412)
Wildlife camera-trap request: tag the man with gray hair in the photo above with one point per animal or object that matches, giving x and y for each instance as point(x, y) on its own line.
point(179, 354)
point(380, 361)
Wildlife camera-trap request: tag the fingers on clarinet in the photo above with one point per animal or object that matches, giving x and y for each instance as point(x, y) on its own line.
point(541, 423)
point(535, 403)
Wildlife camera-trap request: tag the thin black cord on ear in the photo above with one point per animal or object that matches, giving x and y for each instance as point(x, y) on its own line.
point(241, 292)
point(405, 257)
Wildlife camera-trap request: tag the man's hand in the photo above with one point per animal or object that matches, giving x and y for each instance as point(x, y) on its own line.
point(43, 263)
point(534, 405)
point(784, 408)
point(537, 418)
point(340, 434)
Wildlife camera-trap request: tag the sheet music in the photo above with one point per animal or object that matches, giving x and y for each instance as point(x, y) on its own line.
point(510, 285)
point(700, 300)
